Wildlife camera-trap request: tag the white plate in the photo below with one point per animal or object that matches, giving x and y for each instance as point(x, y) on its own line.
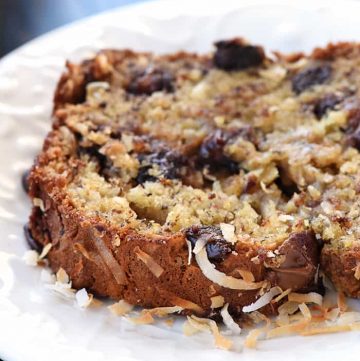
point(36, 325)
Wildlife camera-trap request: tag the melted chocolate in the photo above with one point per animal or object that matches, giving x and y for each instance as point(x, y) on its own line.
point(296, 265)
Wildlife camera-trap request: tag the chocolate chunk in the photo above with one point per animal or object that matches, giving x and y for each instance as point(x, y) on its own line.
point(33, 244)
point(310, 77)
point(150, 81)
point(296, 265)
point(25, 181)
point(216, 246)
point(328, 102)
point(106, 168)
point(353, 126)
point(236, 55)
point(212, 148)
point(167, 161)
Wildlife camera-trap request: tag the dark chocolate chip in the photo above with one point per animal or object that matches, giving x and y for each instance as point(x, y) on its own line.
point(235, 55)
point(212, 149)
point(216, 246)
point(297, 262)
point(106, 169)
point(353, 126)
point(25, 181)
point(150, 81)
point(310, 77)
point(328, 102)
point(169, 163)
point(32, 243)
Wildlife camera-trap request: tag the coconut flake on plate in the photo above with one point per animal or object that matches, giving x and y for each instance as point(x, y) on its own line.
point(311, 297)
point(120, 308)
point(83, 298)
point(62, 286)
point(263, 300)
point(220, 341)
point(229, 321)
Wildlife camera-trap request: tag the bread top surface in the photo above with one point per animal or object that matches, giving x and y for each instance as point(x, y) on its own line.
point(163, 144)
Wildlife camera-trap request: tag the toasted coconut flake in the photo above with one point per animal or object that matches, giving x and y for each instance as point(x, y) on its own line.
point(45, 251)
point(253, 336)
point(185, 304)
point(31, 258)
point(143, 319)
point(146, 316)
point(292, 328)
point(229, 321)
point(209, 271)
point(341, 301)
point(80, 248)
point(62, 289)
point(149, 262)
point(188, 243)
point(38, 202)
point(217, 301)
point(305, 311)
point(163, 311)
point(330, 329)
point(282, 295)
point(263, 300)
point(220, 340)
point(332, 315)
point(62, 276)
point(110, 260)
point(83, 298)
point(288, 308)
point(228, 232)
point(246, 275)
point(62, 286)
point(120, 308)
point(188, 328)
point(349, 317)
point(199, 327)
point(311, 297)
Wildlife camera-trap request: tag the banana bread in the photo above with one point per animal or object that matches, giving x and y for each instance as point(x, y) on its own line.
point(170, 180)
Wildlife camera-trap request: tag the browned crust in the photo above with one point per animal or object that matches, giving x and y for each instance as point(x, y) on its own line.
point(340, 266)
point(67, 228)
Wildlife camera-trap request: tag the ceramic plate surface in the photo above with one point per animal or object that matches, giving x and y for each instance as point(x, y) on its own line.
point(36, 325)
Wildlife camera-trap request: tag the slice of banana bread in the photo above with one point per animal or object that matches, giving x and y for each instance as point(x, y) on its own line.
point(170, 180)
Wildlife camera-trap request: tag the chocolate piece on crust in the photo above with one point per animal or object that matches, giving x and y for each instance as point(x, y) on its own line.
point(295, 264)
